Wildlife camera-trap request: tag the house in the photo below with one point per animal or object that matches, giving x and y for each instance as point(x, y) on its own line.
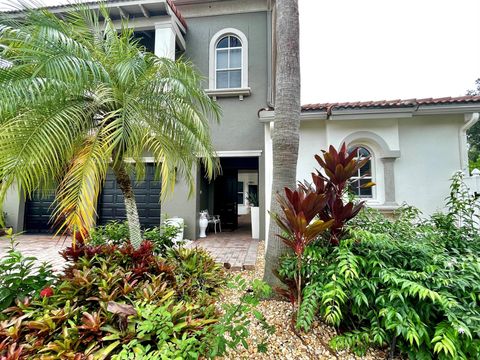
point(415, 145)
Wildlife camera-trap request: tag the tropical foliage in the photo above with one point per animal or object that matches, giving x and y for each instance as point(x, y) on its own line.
point(115, 232)
point(409, 284)
point(315, 207)
point(118, 302)
point(82, 96)
point(19, 275)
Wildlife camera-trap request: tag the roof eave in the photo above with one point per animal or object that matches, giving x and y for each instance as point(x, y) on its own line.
point(365, 114)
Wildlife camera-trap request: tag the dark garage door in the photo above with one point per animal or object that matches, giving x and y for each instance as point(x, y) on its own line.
point(37, 213)
point(110, 206)
point(147, 195)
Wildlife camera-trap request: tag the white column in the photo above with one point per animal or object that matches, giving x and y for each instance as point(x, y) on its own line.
point(268, 176)
point(165, 40)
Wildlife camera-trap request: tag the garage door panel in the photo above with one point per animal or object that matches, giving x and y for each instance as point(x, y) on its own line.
point(38, 210)
point(110, 206)
point(147, 195)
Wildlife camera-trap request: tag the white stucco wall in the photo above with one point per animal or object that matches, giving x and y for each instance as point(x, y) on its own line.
point(430, 154)
point(428, 147)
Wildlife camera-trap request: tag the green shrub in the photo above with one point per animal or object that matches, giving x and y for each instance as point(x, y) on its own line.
point(197, 274)
point(407, 283)
point(162, 236)
point(20, 277)
point(116, 233)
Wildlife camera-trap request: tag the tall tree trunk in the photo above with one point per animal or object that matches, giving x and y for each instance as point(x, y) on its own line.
point(125, 184)
point(287, 122)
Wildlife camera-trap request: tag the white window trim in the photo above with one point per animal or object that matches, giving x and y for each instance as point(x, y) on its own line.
point(374, 172)
point(244, 90)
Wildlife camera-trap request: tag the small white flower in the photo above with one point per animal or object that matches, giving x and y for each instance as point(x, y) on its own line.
point(461, 330)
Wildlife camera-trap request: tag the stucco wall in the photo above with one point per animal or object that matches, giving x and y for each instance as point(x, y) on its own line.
point(429, 156)
point(428, 146)
point(238, 128)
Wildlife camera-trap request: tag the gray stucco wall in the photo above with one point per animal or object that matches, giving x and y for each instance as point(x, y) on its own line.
point(239, 128)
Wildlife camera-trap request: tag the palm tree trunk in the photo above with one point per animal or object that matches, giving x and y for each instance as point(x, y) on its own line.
point(125, 184)
point(287, 122)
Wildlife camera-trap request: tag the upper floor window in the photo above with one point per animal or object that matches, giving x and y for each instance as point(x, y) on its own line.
point(364, 175)
point(228, 64)
point(228, 60)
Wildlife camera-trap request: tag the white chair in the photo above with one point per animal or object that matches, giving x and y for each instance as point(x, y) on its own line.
point(215, 220)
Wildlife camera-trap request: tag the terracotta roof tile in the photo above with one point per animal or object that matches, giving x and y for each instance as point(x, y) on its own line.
point(383, 104)
point(177, 13)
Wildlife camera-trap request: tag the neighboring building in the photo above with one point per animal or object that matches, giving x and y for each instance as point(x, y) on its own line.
point(415, 145)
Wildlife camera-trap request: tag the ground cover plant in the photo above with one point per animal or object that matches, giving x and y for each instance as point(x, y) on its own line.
point(410, 284)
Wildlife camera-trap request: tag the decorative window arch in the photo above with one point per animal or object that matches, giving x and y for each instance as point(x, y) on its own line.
point(382, 164)
point(228, 64)
point(365, 174)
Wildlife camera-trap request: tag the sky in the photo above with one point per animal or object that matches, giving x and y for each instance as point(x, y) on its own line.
point(354, 50)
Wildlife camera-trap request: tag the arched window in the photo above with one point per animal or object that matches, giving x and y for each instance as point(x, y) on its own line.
point(228, 60)
point(364, 175)
point(228, 64)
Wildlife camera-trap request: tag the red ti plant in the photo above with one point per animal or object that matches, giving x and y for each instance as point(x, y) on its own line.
point(338, 168)
point(301, 225)
point(314, 208)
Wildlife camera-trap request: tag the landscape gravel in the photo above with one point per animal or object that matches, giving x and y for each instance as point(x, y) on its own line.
point(285, 344)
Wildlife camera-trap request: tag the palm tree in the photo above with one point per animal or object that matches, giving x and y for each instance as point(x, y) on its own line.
point(287, 122)
point(82, 96)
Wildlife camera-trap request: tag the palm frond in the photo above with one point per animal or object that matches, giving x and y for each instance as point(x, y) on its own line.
point(77, 195)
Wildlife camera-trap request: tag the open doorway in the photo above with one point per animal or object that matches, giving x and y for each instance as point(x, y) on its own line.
point(227, 196)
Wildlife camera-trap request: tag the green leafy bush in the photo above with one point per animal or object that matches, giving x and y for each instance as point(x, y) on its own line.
point(198, 273)
point(406, 283)
point(117, 233)
point(20, 277)
point(162, 236)
point(114, 232)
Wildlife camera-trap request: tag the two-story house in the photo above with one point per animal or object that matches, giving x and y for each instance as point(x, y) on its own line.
point(230, 42)
point(415, 145)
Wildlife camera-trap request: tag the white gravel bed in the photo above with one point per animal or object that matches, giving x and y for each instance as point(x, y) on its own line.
point(285, 344)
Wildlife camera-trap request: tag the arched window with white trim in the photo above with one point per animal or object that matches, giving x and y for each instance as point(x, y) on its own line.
point(228, 60)
point(364, 175)
point(228, 63)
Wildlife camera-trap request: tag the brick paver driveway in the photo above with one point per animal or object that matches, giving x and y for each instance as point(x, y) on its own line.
point(43, 247)
point(234, 249)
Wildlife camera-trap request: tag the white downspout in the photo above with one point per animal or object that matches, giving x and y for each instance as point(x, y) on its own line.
point(470, 120)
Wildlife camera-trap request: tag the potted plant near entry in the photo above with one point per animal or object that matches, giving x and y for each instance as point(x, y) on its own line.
point(255, 214)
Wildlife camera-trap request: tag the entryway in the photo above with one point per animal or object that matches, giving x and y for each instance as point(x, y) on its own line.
point(232, 193)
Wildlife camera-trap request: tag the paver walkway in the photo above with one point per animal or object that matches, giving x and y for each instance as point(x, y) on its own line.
point(236, 250)
point(43, 247)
